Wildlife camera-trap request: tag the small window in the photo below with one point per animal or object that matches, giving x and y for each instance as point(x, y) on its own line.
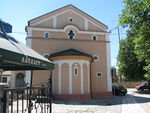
point(94, 38)
point(99, 74)
point(95, 58)
point(46, 35)
point(70, 19)
point(4, 80)
point(76, 70)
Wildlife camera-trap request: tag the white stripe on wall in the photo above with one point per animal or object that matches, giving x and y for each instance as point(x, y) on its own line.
point(82, 78)
point(59, 78)
point(70, 78)
point(109, 78)
point(54, 22)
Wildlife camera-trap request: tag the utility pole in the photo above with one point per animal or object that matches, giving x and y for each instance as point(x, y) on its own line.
point(119, 34)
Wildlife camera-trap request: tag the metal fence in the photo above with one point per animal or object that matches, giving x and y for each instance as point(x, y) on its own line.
point(27, 100)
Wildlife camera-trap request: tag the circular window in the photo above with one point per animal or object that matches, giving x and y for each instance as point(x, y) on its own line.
point(46, 55)
point(46, 35)
point(70, 20)
point(95, 58)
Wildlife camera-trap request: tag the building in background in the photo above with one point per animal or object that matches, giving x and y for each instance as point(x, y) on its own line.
point(6, 77)
point(79, 45)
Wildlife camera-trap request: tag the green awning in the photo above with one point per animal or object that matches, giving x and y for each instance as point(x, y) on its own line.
point(16, 56)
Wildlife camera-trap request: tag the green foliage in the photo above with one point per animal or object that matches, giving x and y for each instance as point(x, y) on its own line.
point(136, 16)
point(129, 66)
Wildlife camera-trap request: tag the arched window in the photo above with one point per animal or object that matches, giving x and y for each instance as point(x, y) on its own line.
point(76, 70)
point(94, 37)
point(20, 80)
point(20, 76)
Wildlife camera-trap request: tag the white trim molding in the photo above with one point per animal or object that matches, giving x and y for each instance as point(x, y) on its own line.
point(82, 82)
point(29, 42)
point(28, 77)
point(70, 63)
point(86, 27)
point(59, 78)
point(29, 32)
point(66, 12)
point(65, 28)
point(54, 21)
point(109, 78)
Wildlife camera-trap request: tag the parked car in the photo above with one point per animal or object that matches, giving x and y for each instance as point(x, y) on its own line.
point(119, 90)
point(143, 86)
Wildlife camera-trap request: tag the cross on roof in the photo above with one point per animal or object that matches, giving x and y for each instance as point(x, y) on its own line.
point(71, 34)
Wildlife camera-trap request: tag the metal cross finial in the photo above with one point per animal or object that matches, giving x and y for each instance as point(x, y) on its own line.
point(71, 34)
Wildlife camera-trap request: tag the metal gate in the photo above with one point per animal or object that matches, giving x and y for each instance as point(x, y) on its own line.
point(27, 100)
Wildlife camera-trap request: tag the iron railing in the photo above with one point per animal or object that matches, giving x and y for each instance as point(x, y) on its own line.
point(27, 100)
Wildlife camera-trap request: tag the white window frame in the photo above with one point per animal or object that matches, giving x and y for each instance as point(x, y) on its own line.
point(48, 35)
point(98, 73)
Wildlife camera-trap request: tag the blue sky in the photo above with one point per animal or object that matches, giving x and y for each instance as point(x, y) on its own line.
point(19, 12)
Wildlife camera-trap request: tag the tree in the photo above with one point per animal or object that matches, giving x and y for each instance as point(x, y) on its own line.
point(129, 66)
point(136, 16)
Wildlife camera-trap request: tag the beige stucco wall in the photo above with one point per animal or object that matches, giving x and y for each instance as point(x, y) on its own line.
point(76, 80)
point(64, 79)
point(85, 78)
point(99, 84)
point(40, 77)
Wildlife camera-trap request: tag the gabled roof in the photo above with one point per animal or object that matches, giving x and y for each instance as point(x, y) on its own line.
point(69, 52)
point(70, 6)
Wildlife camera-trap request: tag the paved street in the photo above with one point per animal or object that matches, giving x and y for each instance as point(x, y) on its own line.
point(133, 102)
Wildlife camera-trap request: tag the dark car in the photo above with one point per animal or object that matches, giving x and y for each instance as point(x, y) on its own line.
point(143, 86)
point(119, 90)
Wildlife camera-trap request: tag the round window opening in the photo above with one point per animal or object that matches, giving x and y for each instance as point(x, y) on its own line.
point(71, 20)
point(95, 58)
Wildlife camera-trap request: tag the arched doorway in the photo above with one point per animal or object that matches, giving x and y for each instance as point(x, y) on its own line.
point(20, 80)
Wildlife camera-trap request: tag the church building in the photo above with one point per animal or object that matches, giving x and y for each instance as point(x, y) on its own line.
point(79, 46)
